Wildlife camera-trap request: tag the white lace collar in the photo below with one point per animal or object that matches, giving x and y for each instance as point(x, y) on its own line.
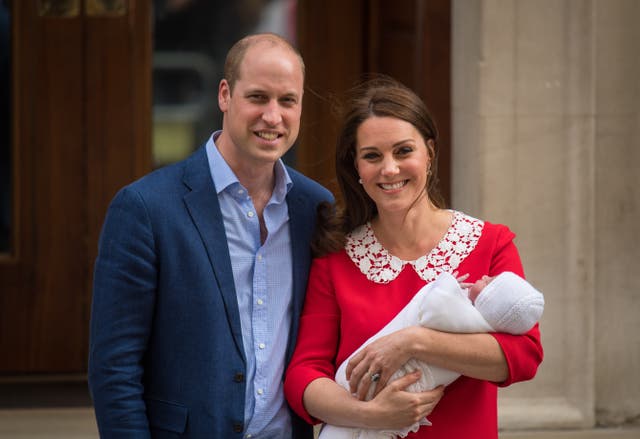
point(379, 266)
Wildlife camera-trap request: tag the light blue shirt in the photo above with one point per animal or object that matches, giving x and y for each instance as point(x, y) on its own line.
point(263, 279)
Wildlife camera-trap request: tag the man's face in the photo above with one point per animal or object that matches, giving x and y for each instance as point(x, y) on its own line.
point(262, 113)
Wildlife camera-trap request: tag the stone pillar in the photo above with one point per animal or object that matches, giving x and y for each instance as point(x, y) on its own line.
point(546, 133)
point(617, 211)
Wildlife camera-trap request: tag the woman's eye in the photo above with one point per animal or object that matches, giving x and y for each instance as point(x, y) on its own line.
point(370, 156)
point(404, 150)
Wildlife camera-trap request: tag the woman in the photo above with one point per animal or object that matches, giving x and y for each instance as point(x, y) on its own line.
point(392, 237)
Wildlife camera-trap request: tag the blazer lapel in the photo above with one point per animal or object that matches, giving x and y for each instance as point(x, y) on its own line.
point(204, 208)
point(301, 224)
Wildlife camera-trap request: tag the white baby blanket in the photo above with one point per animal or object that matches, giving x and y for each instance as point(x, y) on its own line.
point(509, 302)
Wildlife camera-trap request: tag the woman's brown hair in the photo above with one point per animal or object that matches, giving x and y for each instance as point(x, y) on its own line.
point(380, 96)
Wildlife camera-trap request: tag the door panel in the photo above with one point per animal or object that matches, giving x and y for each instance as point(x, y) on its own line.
point(44, 274)
point(407, 39)
point(81, 126)
point(81, 112)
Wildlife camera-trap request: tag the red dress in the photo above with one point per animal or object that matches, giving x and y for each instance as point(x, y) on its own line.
point(353, 293)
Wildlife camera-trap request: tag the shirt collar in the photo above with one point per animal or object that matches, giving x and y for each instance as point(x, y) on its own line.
point(380, 266)
point(224, 177)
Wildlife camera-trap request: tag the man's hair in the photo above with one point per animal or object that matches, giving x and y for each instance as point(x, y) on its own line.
point(239, 49)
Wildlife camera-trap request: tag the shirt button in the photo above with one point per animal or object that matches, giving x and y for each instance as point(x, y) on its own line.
point(250, 214)
point(249, 436)
point(260, 302)
point(261, 346)
point(259, 257)
point(240, 192)
point(260, 391)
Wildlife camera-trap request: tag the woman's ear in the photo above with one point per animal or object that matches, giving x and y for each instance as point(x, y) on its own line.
point(431, 149)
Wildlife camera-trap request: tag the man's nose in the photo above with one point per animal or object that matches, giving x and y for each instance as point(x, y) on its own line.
point(271, 114)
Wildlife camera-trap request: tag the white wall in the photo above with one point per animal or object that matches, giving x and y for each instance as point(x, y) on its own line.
point(546, 139)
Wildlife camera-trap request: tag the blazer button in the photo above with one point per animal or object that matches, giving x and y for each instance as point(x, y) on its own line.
point(238, 377)
point(237, 427)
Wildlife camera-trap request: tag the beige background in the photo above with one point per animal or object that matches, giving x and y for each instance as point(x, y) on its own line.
point(546, 135)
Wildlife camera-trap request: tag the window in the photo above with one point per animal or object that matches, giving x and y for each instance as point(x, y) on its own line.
point(191, 40)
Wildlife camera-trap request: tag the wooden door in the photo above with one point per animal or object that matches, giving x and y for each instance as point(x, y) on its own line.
point(81, 129)
point(81, 116)
point(407, 39)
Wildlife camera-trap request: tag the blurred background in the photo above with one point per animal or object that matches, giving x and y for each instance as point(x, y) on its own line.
point(538, 107)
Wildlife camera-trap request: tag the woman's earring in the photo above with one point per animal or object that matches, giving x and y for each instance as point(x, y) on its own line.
point(360, 180)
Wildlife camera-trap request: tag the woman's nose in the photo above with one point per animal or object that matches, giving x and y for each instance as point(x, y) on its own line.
point(389, 167)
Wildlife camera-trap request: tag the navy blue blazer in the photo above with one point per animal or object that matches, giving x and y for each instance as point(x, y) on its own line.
point(166, 355)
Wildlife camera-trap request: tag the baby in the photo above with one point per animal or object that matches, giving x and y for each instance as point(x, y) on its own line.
point(504, 303)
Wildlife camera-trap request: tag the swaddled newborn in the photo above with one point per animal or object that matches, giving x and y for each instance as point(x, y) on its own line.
point(506, 303)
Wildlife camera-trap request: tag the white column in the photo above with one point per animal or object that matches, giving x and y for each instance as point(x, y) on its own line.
point(546, 140)
point(617, 211)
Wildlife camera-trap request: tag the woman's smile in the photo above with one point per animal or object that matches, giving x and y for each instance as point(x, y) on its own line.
point(393, 186)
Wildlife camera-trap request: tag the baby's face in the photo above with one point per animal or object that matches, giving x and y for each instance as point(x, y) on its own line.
point(478, 286)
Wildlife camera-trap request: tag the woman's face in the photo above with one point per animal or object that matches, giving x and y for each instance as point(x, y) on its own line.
point(392, 161)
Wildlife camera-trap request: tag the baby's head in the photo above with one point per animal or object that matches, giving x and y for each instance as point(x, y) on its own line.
point(508, 302)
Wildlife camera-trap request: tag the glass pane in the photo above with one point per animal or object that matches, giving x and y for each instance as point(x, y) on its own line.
point(191, 40)
point(5, 130)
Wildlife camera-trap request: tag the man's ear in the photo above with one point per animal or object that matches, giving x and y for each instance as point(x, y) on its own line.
point(224, 95)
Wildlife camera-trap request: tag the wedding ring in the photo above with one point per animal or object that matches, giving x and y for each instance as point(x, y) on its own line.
point(375, 377)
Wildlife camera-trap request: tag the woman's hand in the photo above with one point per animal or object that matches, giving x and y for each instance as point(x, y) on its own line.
point(395, 408)
point(379, 360)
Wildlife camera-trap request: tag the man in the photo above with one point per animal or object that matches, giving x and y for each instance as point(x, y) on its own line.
point(202, 269)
